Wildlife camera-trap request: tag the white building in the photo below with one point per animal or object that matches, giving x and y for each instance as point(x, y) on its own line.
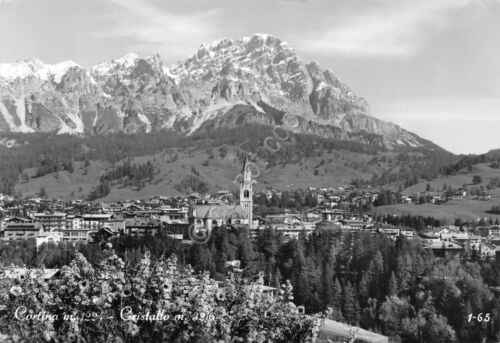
point(49, 237)
point(51, 221)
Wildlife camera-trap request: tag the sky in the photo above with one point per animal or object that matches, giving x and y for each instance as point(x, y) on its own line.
point(431, 66)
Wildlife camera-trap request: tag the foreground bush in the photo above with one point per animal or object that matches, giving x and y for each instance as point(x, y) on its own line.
point(157, 301)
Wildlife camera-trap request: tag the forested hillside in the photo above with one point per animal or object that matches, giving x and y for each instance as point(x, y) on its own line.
point(368, 164)
point(396, 288)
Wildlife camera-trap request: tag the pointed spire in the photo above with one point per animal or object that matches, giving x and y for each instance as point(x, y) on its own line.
point(244, 165)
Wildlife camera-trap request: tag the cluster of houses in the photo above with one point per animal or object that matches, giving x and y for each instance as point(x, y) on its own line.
point(56, 221)
point(483, 242)
point(440, 197)
point(107, 220)
point(66, 225)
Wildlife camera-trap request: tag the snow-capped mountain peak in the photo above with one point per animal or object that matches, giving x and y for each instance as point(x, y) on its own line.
point(223, 84)
point(35, 67)
point(124, 65)
point(248, 54)
point(125, 62)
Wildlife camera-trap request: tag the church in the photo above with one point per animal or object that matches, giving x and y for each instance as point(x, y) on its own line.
point(209, 216)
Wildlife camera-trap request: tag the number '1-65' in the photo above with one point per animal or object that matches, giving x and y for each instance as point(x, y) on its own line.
point(481, 317)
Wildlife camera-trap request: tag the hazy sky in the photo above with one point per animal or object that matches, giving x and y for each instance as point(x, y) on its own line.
point(432, 66)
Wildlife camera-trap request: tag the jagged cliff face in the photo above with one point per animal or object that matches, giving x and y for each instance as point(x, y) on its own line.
point(225, 84)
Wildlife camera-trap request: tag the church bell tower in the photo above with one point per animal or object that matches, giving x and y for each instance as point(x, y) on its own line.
point(246, 192)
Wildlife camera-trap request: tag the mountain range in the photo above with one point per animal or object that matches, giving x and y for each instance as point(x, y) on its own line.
point(225, 84)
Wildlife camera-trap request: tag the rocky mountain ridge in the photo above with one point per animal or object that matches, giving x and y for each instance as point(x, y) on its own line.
point(227, 83)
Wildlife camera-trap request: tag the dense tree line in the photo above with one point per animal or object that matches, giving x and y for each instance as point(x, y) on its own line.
point(387, 197)
point(398, 289)
point(100, 191)
point(131, 171)
point(127, 173)
point(495, 209)
point(414, 165)
point(298, 199)
point(192, 183)
point(130, 174)
point(416, 222)
point(466, 162)
point(18, 253)
point(50, 165)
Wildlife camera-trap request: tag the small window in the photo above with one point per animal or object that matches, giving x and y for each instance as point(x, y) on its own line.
point(246, 194)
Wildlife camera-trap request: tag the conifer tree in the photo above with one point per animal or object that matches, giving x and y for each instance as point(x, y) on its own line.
point(327, 281)
point(393, 285)
point(350, 305)
point(375, 274)
point(336, 304)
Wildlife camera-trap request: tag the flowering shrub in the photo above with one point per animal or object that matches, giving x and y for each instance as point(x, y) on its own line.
point(157, 301)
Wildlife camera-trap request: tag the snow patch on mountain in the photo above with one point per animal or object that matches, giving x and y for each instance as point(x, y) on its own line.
point(75, 118)
point(65, 128)
point(255, 106)
point(174, 77)
point(21, 113)
point(8, 118)
point(145, 120)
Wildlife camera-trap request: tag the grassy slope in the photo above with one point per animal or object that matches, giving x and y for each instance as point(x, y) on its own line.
point(458, 180)
point(62, 184)
point(466, 208)
point(338, 169)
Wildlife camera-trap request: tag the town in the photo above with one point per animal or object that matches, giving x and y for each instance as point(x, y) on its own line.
point(346, 208)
